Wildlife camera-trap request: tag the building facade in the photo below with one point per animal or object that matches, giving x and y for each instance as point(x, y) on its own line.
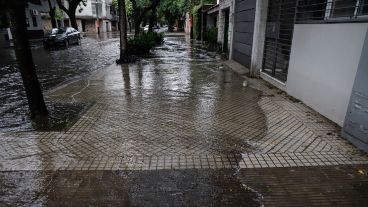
point(221, 16)
point(38, 18)
point(95, 16)
point(312, 50)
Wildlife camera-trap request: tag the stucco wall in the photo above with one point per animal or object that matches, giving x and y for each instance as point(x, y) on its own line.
point(87, 10)
point(91, 26)
point(323, 64)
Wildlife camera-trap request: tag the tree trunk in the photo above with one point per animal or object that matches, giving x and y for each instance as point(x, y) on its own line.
point(152, 19)
point(27, 68)
point(52, 14)
point(171, 22)
point(123, 31)
point(73, 19)
point(137, 25)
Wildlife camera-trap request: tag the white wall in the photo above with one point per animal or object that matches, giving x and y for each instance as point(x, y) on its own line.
point(323, 64)
point(87, 10)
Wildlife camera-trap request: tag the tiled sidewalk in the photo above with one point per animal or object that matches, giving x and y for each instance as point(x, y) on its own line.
point(179, 113)
point(309, 186)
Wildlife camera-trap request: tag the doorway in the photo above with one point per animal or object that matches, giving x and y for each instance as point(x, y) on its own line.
point(84, 25)
point(226, 31)
point(244, 14)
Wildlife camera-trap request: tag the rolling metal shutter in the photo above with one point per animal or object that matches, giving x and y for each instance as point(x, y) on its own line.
point(243, 31)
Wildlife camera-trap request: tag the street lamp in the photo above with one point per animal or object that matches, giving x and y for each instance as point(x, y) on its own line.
point(97, 20)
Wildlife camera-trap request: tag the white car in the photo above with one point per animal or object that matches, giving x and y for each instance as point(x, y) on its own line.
point(146, 28)
point(155, 28)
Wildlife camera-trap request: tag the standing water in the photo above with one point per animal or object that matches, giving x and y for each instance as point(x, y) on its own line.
point(54, 67)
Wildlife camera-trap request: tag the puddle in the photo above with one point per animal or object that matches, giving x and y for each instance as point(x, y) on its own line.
point(129, 188)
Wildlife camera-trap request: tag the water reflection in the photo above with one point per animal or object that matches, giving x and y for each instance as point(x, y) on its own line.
point(129, 188)
point(54, 67)
point(180, 101)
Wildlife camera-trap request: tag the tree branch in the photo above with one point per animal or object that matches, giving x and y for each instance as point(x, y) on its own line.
point(153, 5)
point(61, 6)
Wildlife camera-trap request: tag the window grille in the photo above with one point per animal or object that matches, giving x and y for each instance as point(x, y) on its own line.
point(309, 11)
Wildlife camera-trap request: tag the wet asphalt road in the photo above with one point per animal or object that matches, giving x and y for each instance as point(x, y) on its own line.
point(54, 67)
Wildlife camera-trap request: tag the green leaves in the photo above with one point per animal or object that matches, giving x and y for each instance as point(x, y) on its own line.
point(128, 7)
point(59, 15)
point(141, 44)
point(172, 10)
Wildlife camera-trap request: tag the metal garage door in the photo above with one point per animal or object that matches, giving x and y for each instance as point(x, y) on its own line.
point(356, 121)
point(243, 31)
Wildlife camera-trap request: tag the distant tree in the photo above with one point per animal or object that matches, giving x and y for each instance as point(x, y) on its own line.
point(128, 10)
point(123, 32)
point(71, 10)
point(59, 14)
point(4, 20)
point(36, 103)
point(52, 13)
point(173, 10)
point(152, 19)
point(128, 7)
point(140, 9)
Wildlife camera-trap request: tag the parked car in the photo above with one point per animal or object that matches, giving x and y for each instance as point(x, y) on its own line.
point(155, 28)
point(62, 37)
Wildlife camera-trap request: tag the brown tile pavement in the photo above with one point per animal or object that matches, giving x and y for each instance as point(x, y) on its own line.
point(309, 186)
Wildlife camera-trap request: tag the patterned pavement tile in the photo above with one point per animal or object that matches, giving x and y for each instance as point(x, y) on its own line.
point(163, 113)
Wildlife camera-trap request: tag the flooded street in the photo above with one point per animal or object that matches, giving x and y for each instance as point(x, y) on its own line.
point(54, 67)
point(176, 128)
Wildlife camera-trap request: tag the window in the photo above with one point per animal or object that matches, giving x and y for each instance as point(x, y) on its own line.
point(331, 10)
point(107, 10)
point(363, 7)
point(312, 9)
point(34, 19)
point(344, 8)
point(96, 8)
point(93, 9)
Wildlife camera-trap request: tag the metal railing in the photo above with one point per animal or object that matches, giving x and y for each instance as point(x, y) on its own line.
point(279, 33)
point(316, 11)
point(283, 14)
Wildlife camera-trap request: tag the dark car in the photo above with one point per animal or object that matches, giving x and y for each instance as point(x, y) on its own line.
point(62, 37)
